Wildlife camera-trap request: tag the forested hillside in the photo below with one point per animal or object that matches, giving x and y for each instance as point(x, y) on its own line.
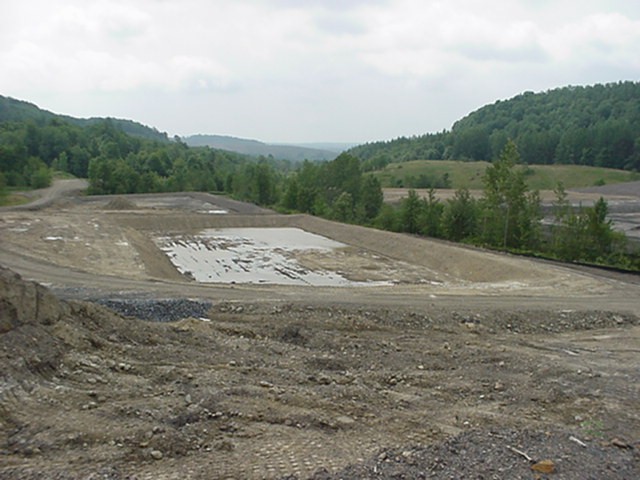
point(12, 110)
point(34, 143)
point(595, 125)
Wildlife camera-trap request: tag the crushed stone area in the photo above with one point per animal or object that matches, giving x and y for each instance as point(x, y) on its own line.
point(161, 310)
point(499, 454)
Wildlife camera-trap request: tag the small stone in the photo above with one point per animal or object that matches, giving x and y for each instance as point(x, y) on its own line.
point(156, 454)
point(544, 466)
point(225, 446)
point(89, 406)
point(345, 421)
point(616, 442)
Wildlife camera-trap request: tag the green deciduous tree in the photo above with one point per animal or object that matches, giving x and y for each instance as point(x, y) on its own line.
point(460, 216)
point(371, 197)
point(430, 217)
point(410, 210)
point(387, 219)
point(510, 213)
point(585, 234)
point(342, 209)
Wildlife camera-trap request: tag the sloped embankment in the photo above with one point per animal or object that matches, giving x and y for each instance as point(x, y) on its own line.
point(28, 315)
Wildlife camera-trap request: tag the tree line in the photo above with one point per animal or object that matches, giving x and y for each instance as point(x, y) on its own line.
point(508, 217)
point(118, 163)
point(337, 190)
point(596, 126)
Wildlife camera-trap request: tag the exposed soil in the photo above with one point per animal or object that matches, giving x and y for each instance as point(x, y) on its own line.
point(469, 363)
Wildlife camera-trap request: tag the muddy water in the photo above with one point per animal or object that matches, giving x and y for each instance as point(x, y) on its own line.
point(252, 255)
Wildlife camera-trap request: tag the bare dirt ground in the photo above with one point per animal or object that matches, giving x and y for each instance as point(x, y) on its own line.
point(467, 364)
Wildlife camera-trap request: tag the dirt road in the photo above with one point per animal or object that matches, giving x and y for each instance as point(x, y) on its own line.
point(468, 353)
point(45, 197)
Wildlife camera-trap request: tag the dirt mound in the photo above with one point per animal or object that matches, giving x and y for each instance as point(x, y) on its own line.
point(26, 303)
point(120, 203)
point(37, 329)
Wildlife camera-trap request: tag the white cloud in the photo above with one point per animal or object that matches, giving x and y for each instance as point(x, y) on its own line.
point(607, 38)
point(311, 65)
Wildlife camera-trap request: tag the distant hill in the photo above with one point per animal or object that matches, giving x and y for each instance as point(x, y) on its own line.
point(337, 147)
point(595, 125)
point(12, 110)
point(255, 148)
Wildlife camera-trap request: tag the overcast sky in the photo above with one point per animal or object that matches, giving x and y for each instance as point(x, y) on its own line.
point(304, 71)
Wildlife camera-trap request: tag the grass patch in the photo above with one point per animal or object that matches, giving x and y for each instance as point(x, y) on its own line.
point(13, 198)
point(469, 174)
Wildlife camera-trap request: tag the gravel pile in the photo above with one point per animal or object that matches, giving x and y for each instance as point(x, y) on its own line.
point(499, 455)
point(157, 310)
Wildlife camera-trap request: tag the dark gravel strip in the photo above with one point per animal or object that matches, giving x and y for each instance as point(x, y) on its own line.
point(490, 456)
point(168, 310)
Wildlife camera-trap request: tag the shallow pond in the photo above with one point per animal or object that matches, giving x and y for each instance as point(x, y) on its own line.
point(252, 255)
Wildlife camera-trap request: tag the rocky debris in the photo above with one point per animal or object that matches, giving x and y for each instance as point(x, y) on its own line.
point(518, 322)
point(289, 388)
point(156, 454)
point(167, 310)
point(485, 454)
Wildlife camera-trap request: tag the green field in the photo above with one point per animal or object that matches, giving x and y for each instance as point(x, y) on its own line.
point(469, 174)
